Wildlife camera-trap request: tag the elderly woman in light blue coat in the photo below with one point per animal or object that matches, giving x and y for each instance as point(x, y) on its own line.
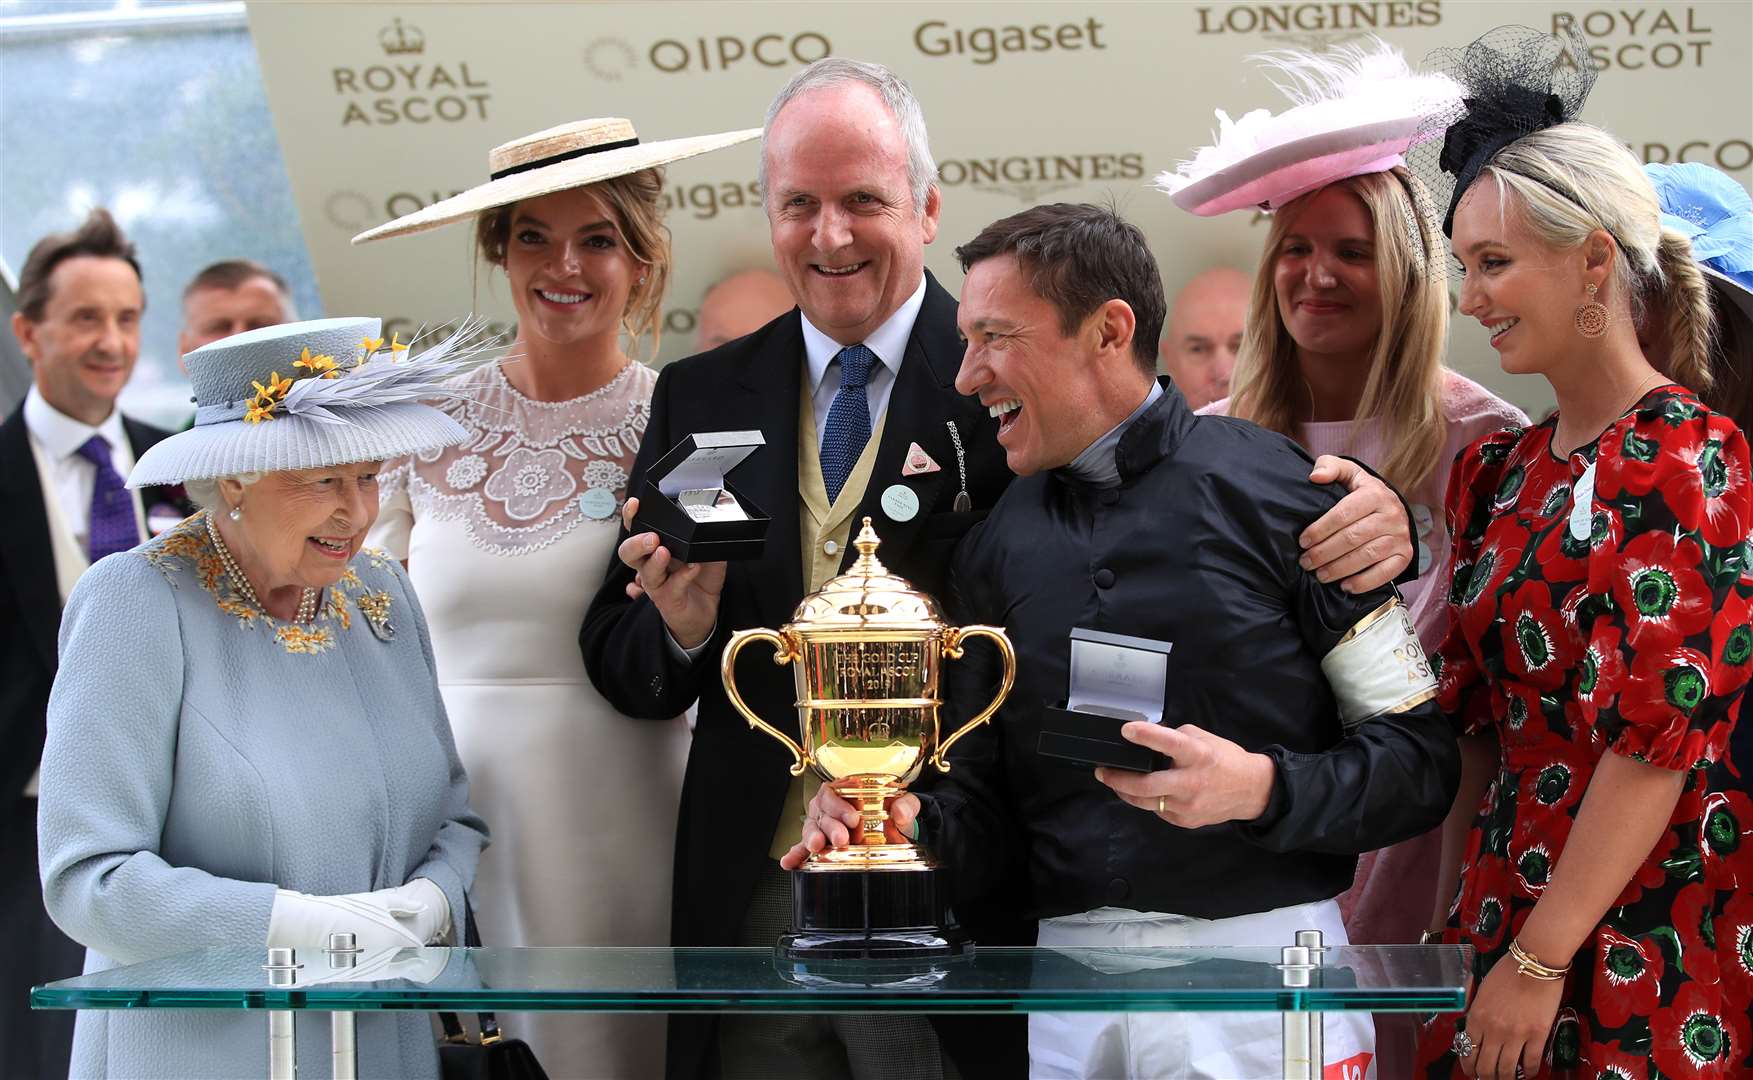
point(246, 742)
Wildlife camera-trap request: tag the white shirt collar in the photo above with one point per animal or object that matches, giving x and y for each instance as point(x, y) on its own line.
point(888, 341)
point(61, 435)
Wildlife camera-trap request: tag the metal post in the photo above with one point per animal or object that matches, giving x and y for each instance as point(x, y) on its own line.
point(1296, 969)
point(1312, 941)
point(282, 968)
point(343, 952)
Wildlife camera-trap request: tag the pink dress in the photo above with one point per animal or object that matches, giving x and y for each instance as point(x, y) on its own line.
point(1390, 900)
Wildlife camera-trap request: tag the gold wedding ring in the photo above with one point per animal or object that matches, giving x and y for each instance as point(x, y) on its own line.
point(1159, 805)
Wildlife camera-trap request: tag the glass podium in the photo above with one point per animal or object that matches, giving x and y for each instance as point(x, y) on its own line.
point(1299, 981)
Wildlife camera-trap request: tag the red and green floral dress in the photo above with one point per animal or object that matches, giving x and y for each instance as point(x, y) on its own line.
point(1618, 627)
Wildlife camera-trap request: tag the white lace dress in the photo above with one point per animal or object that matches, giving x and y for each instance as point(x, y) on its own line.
point(506, 537)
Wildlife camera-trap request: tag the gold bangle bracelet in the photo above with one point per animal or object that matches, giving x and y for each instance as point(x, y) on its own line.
point(1527, 965)
point(1539, 976)
point(1533, 961)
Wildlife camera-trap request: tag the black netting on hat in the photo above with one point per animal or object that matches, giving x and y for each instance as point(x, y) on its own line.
point(1420, 216)
point(1517, 80)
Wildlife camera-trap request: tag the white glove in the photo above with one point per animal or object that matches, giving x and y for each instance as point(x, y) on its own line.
point(404, 917)
point(424, 908)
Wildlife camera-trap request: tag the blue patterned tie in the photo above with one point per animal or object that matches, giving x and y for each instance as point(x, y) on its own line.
point(112, 527)
point(848, 419)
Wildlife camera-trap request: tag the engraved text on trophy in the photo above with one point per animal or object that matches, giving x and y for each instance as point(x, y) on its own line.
point(874, 710)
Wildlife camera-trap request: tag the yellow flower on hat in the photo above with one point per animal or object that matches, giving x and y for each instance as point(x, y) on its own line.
point(371, 344)
point(323, 365)
point(268, 397)
point(396, 346)
point(276, 388)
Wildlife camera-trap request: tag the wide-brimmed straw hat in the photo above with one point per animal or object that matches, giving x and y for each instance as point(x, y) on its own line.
point(310, 395)
point(569, 156)
point(1355, 110)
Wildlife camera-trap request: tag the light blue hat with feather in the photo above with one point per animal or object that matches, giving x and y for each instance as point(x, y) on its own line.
point(310, 395)
point(1710, 209)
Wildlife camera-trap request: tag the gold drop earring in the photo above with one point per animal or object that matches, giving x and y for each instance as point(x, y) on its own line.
point(1591, 315)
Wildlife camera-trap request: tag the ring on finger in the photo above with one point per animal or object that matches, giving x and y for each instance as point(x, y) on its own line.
point(1463, 1045)
point(1160, 809)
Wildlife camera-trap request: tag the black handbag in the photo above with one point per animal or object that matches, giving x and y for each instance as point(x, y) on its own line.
point(492, 1056)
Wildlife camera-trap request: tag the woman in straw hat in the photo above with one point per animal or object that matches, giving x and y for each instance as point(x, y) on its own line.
point(505, 537)
point(246, 741)
point(1343, 352)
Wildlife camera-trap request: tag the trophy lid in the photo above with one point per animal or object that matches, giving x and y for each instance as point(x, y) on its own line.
point(867, 597)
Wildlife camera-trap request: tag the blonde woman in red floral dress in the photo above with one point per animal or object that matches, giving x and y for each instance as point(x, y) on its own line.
point(1599, 642)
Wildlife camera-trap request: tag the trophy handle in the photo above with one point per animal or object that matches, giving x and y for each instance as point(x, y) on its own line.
point(782, 655)
point(952, 648)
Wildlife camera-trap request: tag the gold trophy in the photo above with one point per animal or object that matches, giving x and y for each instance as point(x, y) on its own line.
point(866, 651)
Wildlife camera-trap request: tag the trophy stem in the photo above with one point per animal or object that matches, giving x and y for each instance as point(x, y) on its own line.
point(871, 799)
point(874, 817)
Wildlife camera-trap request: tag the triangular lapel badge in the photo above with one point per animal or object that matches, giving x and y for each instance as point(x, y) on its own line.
point(918, 462)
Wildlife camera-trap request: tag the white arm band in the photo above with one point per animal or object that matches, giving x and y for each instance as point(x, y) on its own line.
point(1379, 667)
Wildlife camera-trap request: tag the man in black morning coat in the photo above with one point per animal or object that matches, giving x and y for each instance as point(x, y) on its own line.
point(851, 201)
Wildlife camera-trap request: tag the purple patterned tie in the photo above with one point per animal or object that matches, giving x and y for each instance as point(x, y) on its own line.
point(112, 527)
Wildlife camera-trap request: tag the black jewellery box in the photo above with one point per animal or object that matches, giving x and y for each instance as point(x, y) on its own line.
point(1115, 679)
point(697, 513)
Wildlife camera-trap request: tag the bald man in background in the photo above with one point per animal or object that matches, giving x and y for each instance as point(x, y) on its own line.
point(1205, 333)
point(230, 297)
point(741, 304)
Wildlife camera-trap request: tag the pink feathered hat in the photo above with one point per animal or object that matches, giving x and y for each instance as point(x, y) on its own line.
point(1355, 110)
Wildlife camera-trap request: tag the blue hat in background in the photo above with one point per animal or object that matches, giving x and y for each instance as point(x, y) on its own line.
point(1714, 212)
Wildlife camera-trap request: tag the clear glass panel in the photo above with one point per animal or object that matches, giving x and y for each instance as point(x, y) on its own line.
point(169, 129)
point(1372, 978)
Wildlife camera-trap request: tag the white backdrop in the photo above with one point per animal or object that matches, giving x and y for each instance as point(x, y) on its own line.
point(382, 108)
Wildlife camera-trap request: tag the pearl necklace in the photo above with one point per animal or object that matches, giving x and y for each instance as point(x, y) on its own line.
point(307, 602)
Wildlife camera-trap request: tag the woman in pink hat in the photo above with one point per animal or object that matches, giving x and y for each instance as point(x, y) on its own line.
point(1343, 352)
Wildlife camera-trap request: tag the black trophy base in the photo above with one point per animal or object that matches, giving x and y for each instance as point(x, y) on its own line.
point(871, 915)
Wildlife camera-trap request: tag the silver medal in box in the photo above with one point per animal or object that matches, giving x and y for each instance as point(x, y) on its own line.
point(697, 512)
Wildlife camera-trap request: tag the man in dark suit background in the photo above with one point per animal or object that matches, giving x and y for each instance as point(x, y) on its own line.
point(855, 395)
point(64, 453)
